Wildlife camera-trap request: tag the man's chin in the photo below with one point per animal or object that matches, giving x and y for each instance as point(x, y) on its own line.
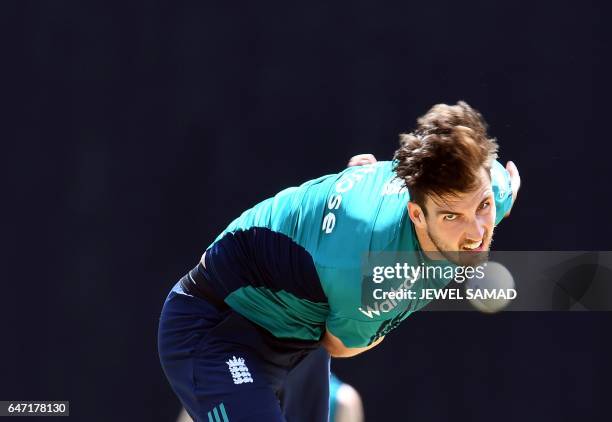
point(468, 258)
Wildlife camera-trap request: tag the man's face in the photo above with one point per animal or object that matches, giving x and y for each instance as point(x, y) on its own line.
point(462, 227)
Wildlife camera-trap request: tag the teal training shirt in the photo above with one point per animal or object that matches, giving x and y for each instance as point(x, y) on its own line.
point(300, 262)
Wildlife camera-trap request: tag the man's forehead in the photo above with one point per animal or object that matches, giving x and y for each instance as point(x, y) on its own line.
point(459, 200)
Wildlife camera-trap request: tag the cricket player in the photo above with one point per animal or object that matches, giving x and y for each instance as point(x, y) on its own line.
point(240, 335)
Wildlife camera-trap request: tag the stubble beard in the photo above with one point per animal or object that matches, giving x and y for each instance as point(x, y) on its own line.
point(459, 257)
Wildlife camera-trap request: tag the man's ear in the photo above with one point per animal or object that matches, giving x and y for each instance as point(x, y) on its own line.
point(416, 214)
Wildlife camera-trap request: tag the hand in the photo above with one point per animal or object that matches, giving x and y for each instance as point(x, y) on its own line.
point(337, 349)
point(361, 159)
point(515, 182)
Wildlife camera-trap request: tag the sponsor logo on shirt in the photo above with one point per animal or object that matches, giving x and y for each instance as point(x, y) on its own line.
point(388, 305)
point(345, 184)
point(388, 326)
point(393, 187)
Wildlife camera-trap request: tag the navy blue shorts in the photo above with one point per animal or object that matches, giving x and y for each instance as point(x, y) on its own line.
point(224, 368)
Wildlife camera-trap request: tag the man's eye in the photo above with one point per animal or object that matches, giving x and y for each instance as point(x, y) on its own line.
point(450, 217)
point(485, 205)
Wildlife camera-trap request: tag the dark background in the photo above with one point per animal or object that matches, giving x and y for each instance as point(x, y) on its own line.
point(134, 132)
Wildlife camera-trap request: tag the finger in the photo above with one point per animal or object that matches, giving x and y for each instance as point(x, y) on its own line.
point(364, 157)
point(515, 182)
point(511, 167)
point(361, 159)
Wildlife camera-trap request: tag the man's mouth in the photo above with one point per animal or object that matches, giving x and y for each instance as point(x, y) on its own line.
point(473, 247)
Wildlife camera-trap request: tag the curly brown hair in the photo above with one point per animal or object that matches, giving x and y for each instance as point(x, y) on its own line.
point(445, 153)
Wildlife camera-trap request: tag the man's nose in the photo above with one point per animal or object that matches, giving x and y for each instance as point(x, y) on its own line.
point(475, 230)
